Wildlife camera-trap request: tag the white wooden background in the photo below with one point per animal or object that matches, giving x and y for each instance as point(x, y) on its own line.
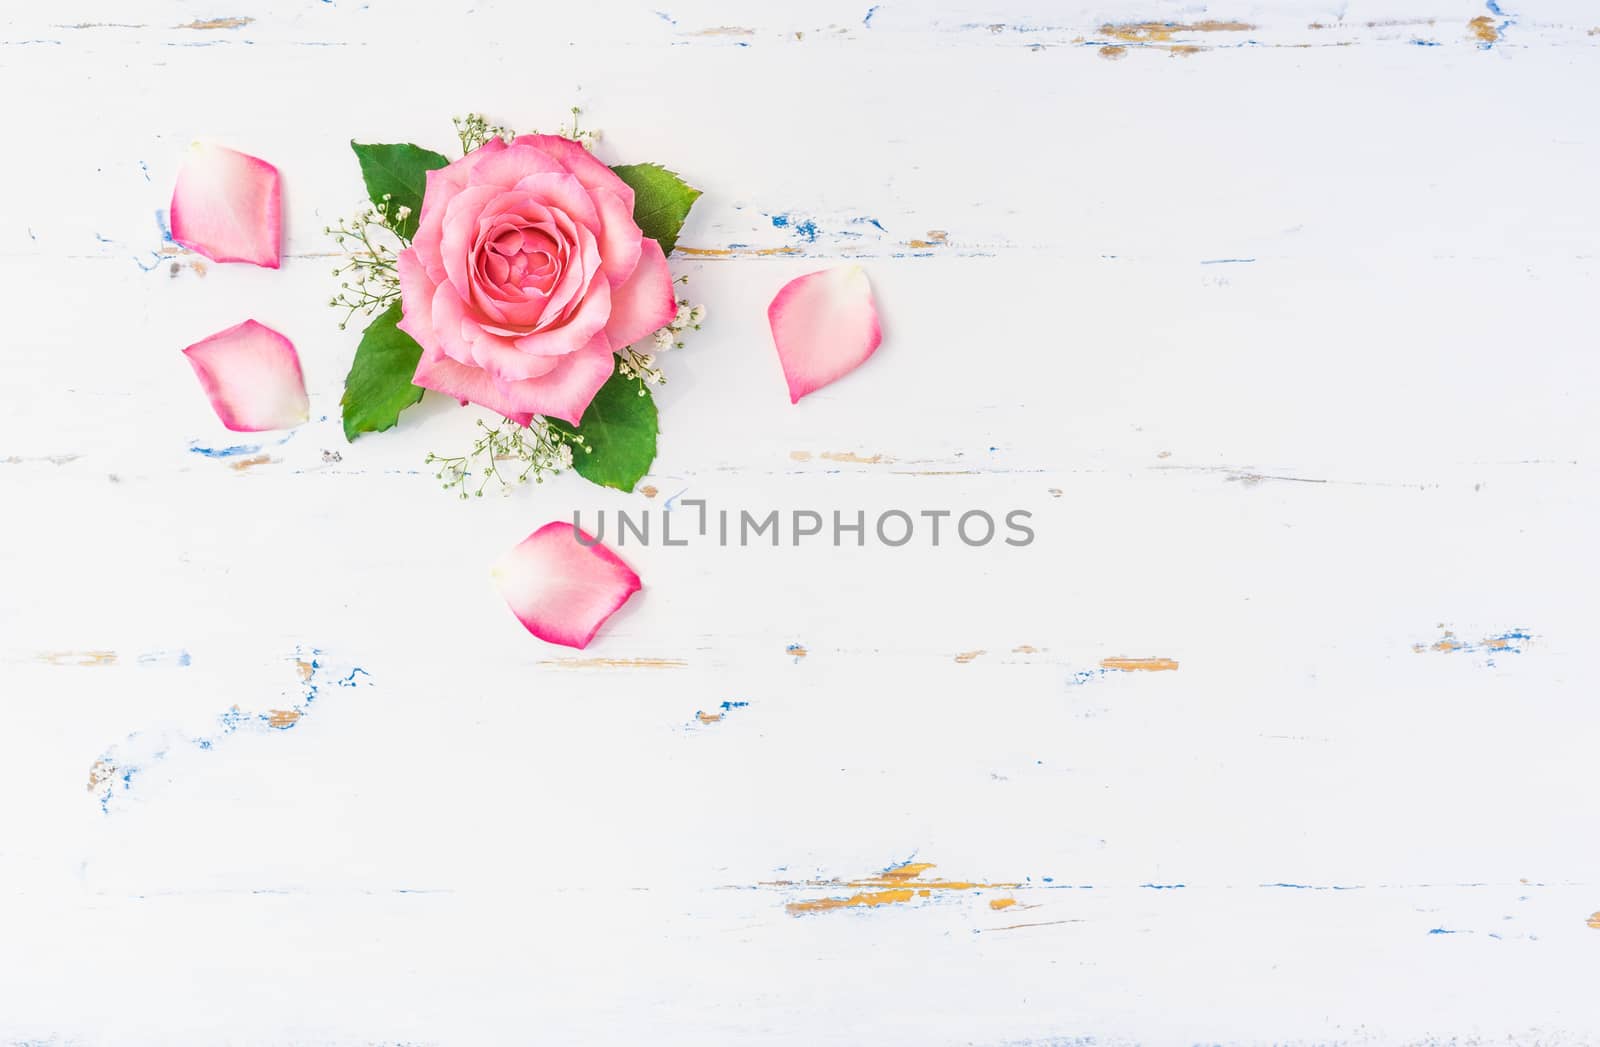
point(1280, 320)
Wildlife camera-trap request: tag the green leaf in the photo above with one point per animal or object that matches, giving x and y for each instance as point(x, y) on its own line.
point(378, 386)
point(661, 201)
point(620, 426)
point(401, 171)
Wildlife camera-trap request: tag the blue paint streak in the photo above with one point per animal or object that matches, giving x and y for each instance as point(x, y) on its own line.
point(867, 21)
point(1312, 886)
point(1424, 43)
point(234, 450)
point(223, 452)
point(806, 230)
point(734, 705)
point(1163, 886)
point(1225, 261)
point(229, 722)
point(1441, 930)
point(161, 223)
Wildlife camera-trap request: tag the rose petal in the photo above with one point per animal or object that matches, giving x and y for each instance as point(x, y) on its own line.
point(416, 299)
point(252, 375)
point(825, 325)
point(620, 238)
point(228, 206)
point(443, 185)
point(505, 166)
point(562, 589)
point(450, 324)
point(589, 320)
point(560, 192)
point(460, 233)
point(438, 372)
point(584, 167)
point(503, 360)
point(645, 303)
point(566, 390)
point(581, 267)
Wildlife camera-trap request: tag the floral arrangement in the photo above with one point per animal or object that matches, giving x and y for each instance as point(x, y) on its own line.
point(525, 276)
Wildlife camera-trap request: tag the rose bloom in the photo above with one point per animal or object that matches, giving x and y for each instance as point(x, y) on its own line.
point(527, 272)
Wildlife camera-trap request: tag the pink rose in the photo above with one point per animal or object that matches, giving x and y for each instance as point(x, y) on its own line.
point(527, 272)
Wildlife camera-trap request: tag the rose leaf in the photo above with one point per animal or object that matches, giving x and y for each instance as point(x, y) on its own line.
point(400, 172)
point(661, 201)
point(378, 386)
point(619, 426)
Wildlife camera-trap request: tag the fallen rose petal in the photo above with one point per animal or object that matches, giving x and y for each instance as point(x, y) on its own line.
point(228, 206)
point(252, 375)
point(825, 325)
point(562, 589)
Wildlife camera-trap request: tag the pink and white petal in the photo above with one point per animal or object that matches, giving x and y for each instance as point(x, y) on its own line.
point(825, 325)
point(645, 303)
point(228, 206)
point(620, 238)
point(251, 374)
point(438, 372)
point(562, 584)
point(566, 391)
point(590, 172)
